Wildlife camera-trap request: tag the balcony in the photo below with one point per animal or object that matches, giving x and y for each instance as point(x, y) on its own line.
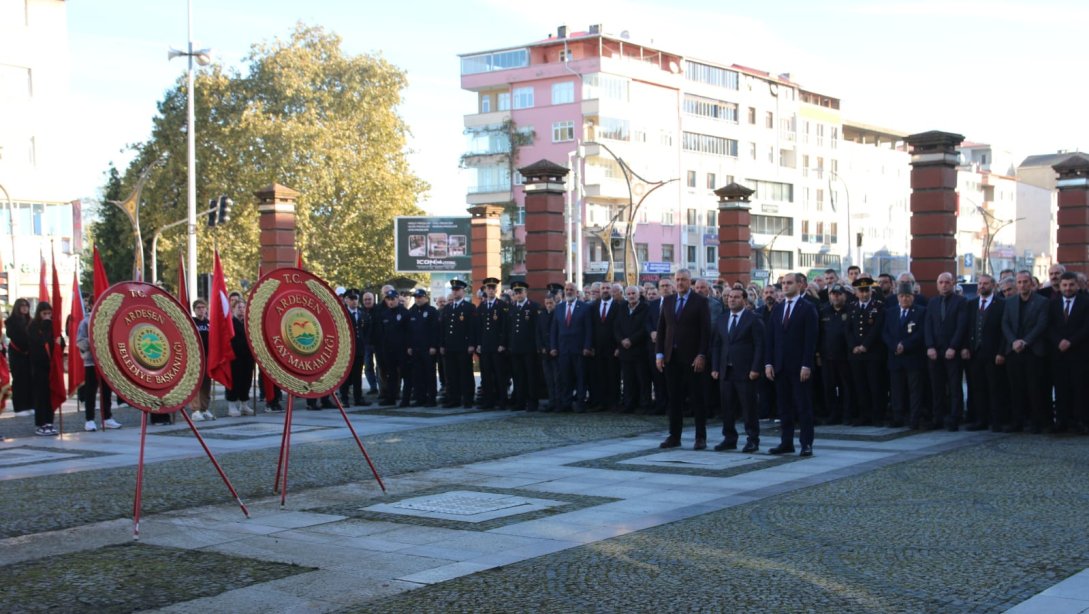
point(488, 194)
point(483, 120)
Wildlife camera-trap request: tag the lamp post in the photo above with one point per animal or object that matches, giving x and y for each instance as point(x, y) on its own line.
point(202, 57)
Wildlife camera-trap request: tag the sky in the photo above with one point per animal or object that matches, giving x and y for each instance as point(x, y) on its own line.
point(1004, 73)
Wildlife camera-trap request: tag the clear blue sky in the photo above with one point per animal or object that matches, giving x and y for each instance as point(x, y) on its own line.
point(1006, 73)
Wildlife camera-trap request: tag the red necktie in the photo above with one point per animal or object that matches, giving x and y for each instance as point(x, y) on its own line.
point(604, 309)
point(786, 313)
point(982, 305)
point(570, 308)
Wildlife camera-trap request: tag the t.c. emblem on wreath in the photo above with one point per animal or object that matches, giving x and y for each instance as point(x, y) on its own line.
point(149, 346)
point(301, 330)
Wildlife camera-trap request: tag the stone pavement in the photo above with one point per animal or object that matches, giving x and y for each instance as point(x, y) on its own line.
point(494, 511)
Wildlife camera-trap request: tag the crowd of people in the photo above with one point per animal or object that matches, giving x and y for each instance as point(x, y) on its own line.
point(858, 351)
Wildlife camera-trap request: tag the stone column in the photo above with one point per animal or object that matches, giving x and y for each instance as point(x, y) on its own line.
point(276, 205)
point(734, 231)
point(933, 204)
point(545, 235)
point(486, 257)
point(1073, 218)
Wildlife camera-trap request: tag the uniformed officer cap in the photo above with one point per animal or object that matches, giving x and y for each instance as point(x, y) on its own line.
point(392, 294)
point(457, 284)
point(837, 288)
point(519, 285)
point(340, 290)
point(490, 281)
point(906, 288)
point(420, 292)
point(864, 282)
point(553, 287)
point(352, 293)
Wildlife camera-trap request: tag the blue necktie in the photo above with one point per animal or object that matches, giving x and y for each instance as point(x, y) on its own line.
point(680, 305)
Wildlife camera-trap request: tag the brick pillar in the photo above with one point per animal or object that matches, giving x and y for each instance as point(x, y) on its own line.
point(1073, 233)
point(933, 204)
point(485, 245)
point(734, 232)
point(545, 235)
point(276, 205)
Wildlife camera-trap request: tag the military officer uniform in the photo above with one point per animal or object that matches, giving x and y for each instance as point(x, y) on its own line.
point(522, 345)
point(391, 338)
point(491, 346)
point(458, 343)
point(423, 346)
point(832, 353)
point(866, 355)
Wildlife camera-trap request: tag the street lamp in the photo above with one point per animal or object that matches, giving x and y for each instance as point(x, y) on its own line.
point(202, 57)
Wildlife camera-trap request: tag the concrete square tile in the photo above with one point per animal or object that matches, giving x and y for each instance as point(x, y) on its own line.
point(444, 573)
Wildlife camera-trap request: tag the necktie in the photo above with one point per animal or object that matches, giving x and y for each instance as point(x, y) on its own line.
point(786, 313)
point(604, 310)
point(680, 305)
point(982, 305)
point(570, 308)
point(1069, 304)
point(903, 315)
point(733, 323)
point(943, 308)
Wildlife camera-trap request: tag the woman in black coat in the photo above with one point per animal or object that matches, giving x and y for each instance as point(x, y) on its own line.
point(19, 355)
point(242, 365)
point(42, 345)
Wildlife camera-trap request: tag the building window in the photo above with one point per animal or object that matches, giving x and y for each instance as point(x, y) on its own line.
point(667, 253)
point(563, 131)
point(805, 165)
point(642, 252)
point(485, 103)
point(833, 232)
point(752, 116)
point(705, 143)
point(606, 87)
point(820, 135)
point(711, 75)
point(667, 217)
point(690, 179)
point(563, 93)
point(774, 259)
point(37, 212)
point(712, 218)
point(752, 151)
point(710, 181)
point(692, 217)
point(805, 231)
point(523, 97)
point(502, 101)
point(690, 251)
point(823, 261)
point(774, 225)
point(711, 108)
point(712, 254)
point(769, 121)
point(773, 190)
point(820, 199)
point(500, 60)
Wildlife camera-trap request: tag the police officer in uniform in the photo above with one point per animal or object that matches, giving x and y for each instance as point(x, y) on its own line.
point(866, 354)
point(832, 356)
point(361, 330)
point(457, 347)
point(522, 345)
point(491, 346)
point(390, 339)
point(423, 349)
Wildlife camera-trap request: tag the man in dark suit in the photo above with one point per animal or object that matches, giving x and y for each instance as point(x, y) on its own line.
point(423, 349)
point(630, 333)
point(866, 354)
point(790, 346)
point(985, 359)
point(361, 329)
point(832, 356)
point(491, 346)
point(522, 345)
point(903, 336)
point(944, 331)
point(657, 378)
point(1068, 342)
point(765, 390)
point(604, 370)
point(1024, 327)
point(737, 355)
point(458, 344)
point(684, 331)
point(570, 342)
point(549, 367)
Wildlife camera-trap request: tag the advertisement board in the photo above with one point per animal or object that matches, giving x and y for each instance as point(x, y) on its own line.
point(432, 244)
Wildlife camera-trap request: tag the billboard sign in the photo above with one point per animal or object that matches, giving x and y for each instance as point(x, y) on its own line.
point(432, 244)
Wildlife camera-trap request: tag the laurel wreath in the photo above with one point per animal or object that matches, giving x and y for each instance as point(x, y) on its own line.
point(329, 380)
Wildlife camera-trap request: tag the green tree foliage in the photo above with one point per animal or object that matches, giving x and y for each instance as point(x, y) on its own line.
point(304, 115)
point(112, 233)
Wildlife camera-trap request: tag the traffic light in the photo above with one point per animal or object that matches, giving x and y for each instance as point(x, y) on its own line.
point(224, 211)
point(212, 213)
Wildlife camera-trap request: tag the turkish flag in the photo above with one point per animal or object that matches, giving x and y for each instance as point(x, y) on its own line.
point(102, 283)
point(43, 290)
point(298, 260)
point(220, 329)
point(57, 392)
point(75, 360)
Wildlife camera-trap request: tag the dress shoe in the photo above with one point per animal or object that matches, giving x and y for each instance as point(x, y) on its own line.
point(403, 404)
point(976, 426)
point(952, 428)
point(701, 444)
point(806, 452)
point(751, 447)
point(896, 424)
point(781, 449)
point(1011, 428)
point(670, 442)
point(725, 445)
point(860, 422)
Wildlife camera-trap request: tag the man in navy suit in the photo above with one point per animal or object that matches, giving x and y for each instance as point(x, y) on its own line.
point(1024, 327)
point(988, 391)
point(684, 331)
point(737, 354)
point(790, 345)
point(605, 372)
point(1068, 343)
point(946, 322)
point(903, 336)
point(571, 341)
point(657, 378)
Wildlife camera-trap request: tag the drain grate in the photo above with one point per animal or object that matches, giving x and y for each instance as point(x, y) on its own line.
point(463, 503)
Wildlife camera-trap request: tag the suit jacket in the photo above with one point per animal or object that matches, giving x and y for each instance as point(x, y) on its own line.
point(1034, 330)
point(633, 327)
point(910, 333)
point(793, 347)
point(544, 329)
point(604, 341)
point(948, 333)
point(361, 327)
point(686, 335)
point(735, 353)
point(985, 334)
point(865, 327)
point(457, 326)
point(654, 309)
point(491, 326)
point(522, 328)
point(575, 337)
point(1074, 329)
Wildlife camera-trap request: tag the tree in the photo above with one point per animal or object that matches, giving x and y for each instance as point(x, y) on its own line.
point(114, 228)
point(305, 115)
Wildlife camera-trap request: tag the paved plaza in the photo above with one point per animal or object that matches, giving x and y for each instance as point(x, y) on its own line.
point(516, 512)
